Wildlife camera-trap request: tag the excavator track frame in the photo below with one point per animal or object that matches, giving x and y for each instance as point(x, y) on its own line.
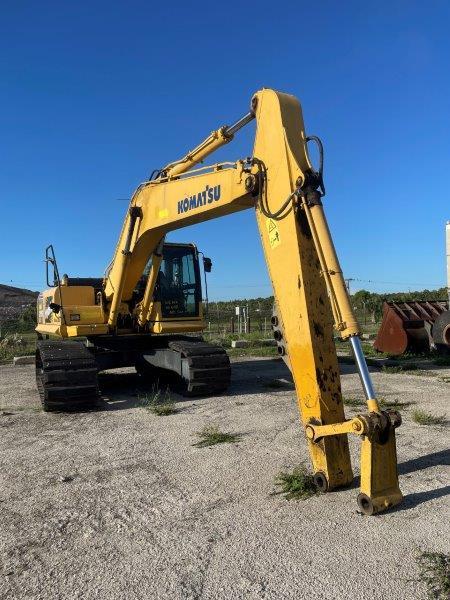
point(205, 367)
point(66, 371)
point(66, 375)
point(202, 368)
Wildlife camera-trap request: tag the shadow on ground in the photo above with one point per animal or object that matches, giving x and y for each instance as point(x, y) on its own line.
point(122, 390)
point(434, 459)
point(424, 462)
point(413, 500)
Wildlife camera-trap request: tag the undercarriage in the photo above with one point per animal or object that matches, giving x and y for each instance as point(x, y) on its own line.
point(66, 371)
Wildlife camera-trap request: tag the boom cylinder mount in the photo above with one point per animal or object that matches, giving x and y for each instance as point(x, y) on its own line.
point(213, 142)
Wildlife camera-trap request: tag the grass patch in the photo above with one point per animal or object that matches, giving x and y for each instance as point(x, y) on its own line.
point(211, 435)
point(384, 404)
point(296, 485)
point(158, 402)
point(392, 369)
point(435, 573)
point(163, 410)
point(424, 373)
point(370, 351)
point(367, 348)
point(7, 354)
point(353, 401)
point(393, 404)
point(426, 418)
point(253, 351)
point(399, 368)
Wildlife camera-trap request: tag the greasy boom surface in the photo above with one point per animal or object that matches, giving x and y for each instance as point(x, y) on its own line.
point(117, 503)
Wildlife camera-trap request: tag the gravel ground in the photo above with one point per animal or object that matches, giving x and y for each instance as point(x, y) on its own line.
point(118, 503)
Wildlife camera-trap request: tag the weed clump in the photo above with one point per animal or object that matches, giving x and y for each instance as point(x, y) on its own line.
point(426, 418)
point(399, 368)
point(435, 573)
point(353, 401)
point(211, 435)
point(424, 373)
point(296, 485)
point(159, 403)
point(392, 369)
point(384, 404)
point(393, 404)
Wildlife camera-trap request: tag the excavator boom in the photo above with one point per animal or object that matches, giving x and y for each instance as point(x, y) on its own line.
point(281, 185)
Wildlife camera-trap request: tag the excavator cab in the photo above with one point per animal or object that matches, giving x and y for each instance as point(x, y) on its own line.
point(177, 293)
point(178, 286)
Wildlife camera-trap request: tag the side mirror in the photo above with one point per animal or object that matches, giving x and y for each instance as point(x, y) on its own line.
point(51, 259)
point(207, 264)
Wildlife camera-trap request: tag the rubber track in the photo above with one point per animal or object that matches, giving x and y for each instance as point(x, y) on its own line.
point(209, 367)
point(66, 375)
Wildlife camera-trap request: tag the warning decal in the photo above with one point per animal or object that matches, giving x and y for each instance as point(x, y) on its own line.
point(274, 234)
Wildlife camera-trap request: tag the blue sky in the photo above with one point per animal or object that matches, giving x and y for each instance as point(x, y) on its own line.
point(94, 96)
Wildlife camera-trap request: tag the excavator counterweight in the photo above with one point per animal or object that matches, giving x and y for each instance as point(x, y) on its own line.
point(150, 297)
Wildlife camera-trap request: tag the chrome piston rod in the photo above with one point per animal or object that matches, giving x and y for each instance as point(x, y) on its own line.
point(230, 130)
point(210, 144)
point(363, 370)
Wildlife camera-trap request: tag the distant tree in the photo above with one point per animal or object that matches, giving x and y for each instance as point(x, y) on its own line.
point(369, 304)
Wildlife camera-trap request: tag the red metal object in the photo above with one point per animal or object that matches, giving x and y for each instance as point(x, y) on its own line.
point(407, 326)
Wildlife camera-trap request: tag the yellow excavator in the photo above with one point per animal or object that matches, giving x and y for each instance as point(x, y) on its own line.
point(147, 308)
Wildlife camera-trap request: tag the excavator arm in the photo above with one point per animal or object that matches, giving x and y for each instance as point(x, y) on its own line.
point(286, 192)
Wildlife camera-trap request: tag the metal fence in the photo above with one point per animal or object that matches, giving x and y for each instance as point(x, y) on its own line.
point(243, 318)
